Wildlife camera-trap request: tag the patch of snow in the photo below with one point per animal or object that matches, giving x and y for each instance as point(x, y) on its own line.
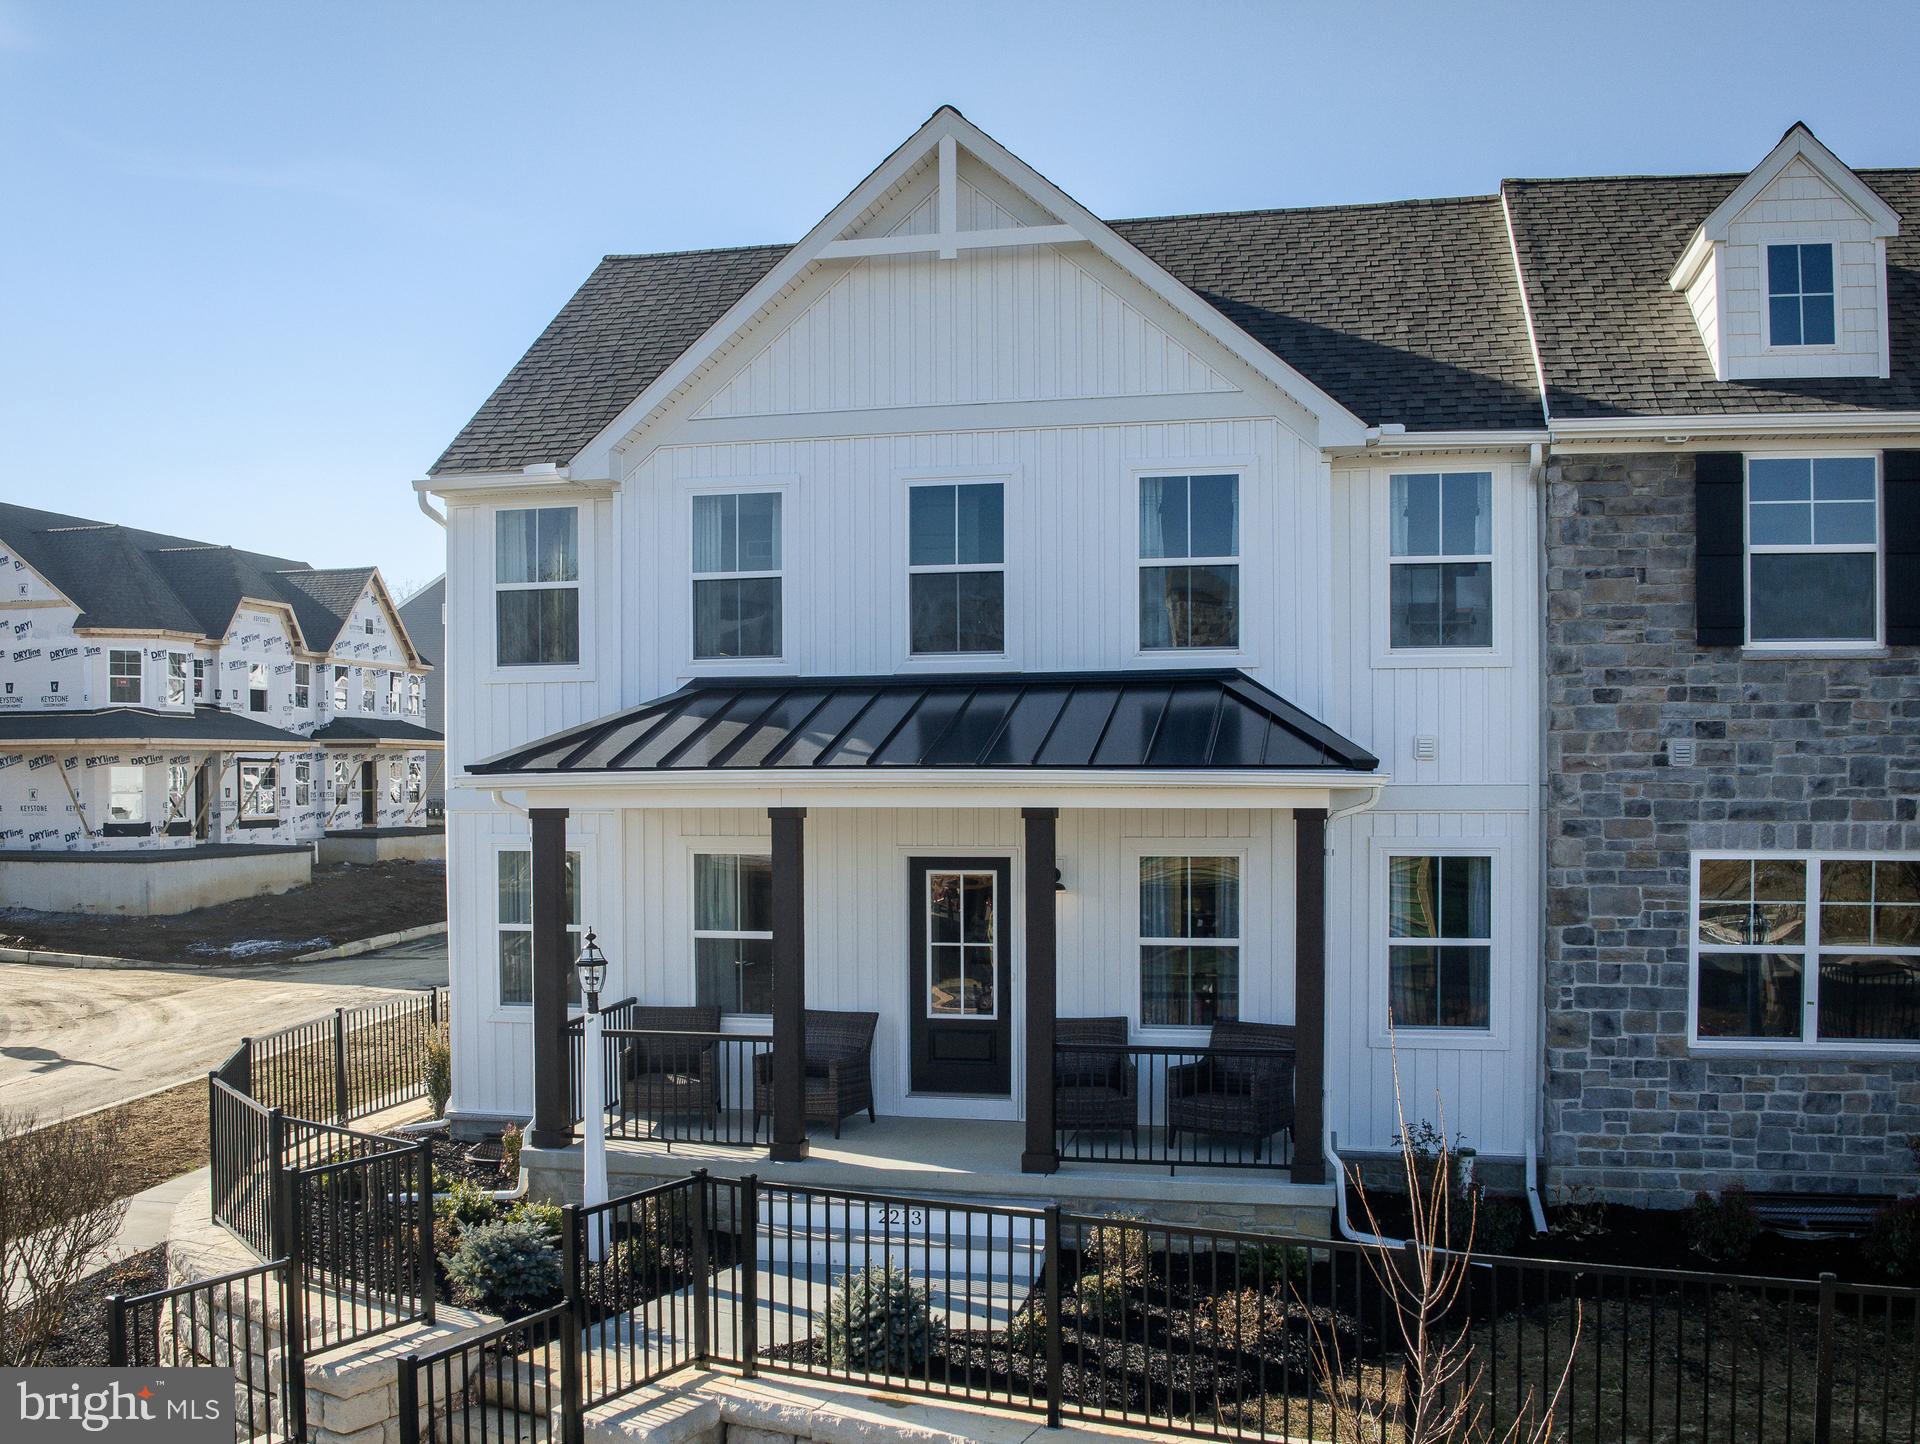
point(257, 947)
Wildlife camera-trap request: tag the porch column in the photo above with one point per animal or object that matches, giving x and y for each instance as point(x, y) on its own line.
point(1309, 993)
point(1042, 1152)
point(789, 985)
point(552, 1128)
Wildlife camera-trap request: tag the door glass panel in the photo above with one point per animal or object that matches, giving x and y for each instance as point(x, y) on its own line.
point(961, 961)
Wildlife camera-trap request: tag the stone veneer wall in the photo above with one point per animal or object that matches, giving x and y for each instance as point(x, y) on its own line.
point(1793, 754)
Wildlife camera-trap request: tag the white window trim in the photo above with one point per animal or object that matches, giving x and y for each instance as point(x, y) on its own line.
point(1385, 654)
point(271, 794)
point(498, 671)
point(1140, 849)
point(1498, 1035)
point(1243, 469)
point(522, 1013)
point(1784, 348)
point(719, 847)
point(927, 943)
point(790, 593)
point(186, 680)
point(1004, 478)
point(1878, 548)
point(1808, 1044)
point(139, 676)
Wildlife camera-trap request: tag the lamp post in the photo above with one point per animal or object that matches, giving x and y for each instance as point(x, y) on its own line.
point(592, 965)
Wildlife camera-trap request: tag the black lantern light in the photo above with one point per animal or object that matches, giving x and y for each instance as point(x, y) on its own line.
point(592, 964)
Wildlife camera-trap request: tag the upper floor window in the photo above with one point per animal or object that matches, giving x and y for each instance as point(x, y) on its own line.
point(123, 677)
point(1189, 562)
point(414, 690)
point(366, 692)
point(1807, 950)
point(733, 932)
point(1813, 549)
point(257, 687)
point(1800, 295)
point(176, 679)
point(956, 568)
point(302, 684)
point(1439, 941)
point(1189, 941)
point(199, 679)
point(737, 575)
point(536, 574)
point(369, 626)
point(1441, 559)
point(340, 689)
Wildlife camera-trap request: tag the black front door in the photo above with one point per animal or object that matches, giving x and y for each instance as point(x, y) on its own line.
point(369, 793)
point(960, 971)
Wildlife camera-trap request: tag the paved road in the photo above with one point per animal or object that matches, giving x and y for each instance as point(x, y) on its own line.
point(75, 1039)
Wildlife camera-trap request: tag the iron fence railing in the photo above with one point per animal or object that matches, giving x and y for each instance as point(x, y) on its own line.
point(614, 1015)
point(243, 1149)
point(505, 1383)
point(683, 1087)
point(1168, 1107)
point(352, 1063)
point(359, 1232)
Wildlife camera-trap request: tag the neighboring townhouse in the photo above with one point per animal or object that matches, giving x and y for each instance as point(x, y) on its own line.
point(189, 720)
point(424, 614)
point(982, 615)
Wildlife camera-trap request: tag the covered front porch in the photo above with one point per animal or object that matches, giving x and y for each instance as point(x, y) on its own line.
point(1019, 980)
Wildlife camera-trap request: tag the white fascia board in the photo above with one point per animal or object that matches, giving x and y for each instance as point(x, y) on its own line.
point(1677, 430)
point(1801, 143)
point(1407, 443)
point(1699, 250)
point(534, 481)
point(1338, 425)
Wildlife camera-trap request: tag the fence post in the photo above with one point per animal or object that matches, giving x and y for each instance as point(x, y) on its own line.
point(702, 1284)
point(214, 1149)
point(117, 1331)
point(293, 1311)
point(750, 1276)
point(340, 1065)
point(433, 1007)
point(424, 1235)
point(409, 1380)
point(1823, 1390)
point(573, 1426)
point(279, 1195)
point(1052, 1267)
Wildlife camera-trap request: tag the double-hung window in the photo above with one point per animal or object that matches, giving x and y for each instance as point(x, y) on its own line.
point(414, 691)
point(416, 779)
point(514, 901)
point(199, 679)
point(127, 798)
point(956, 568)
point(394, 690)
point(176, 679)
point(737, 574)
point(302, 685)
point(366, 691)
point(733, 932)
point(179, 779)
point(1800, 295)
point(1806, 950)
point(302, 783)
point(1440, 562)
point(259, 794)
point(257, 687)
point(1189, 562)
point(1189, 941)
point(1813, 549)
point(1439, 941)
point(123, 677)
point(536, 575)
point(340, 689)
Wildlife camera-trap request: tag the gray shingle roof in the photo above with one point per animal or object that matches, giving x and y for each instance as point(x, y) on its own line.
point(375, 729)
point(124, 577)
point(205, 725)
point(1615, 341)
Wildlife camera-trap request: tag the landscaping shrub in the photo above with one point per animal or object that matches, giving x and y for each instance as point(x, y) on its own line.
point(1272, 1265)
point(1501, 1225)
point(1892, 1244)
point(1027, 1333)
point(1102, 1298)
point(510, 1267)
point(436, 1069)
point(1722, 1230)
point(547, 1215)
point(1120, 1249)
point(464, 1205)
point(879, 1321)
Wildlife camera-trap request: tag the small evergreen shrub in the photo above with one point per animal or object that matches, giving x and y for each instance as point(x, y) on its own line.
point(1722, 1230)
point(879, 1321)
point(547, 1215)
point(510, 1268)
point(1892, 1244)
point(1027, 1334)
point(1102, 1299)
point(1274, 1265)
point(436, 1069)
point(463, 1206)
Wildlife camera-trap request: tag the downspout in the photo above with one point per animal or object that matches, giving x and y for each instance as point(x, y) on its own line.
point(1537, 478)
point(420, 496)
point(1347, 1230)
point(500, 800)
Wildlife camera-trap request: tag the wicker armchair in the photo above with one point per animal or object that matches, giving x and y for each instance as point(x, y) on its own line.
point(661, 1077)
point(1094, 1091)
point(839, 1068)
point(1235, 1095)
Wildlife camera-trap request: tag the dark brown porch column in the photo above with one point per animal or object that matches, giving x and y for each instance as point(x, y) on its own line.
point(789, 984)
point(552, 1128)
point(1042, 1153)
point(1309, 992)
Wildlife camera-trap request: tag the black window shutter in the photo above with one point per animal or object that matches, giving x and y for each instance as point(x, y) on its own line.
point(1719, 549)
point(1900, 471)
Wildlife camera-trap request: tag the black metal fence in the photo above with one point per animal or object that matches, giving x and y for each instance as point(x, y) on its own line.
point(352, 1063)
point(505, 1384)
point(686, 1087)
point(1202, 1106)
point(224, 1323)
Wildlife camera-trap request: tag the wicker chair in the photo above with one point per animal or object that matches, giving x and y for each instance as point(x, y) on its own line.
point(1094, 1091)
point(839, 1069)
point(1235, 1095)
point(664, 1077)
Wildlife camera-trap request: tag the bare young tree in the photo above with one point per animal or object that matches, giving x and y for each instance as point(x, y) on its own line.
point(1441, 1399)
point(60, 1203)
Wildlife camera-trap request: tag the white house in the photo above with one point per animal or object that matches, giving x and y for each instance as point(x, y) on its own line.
point(188, 721)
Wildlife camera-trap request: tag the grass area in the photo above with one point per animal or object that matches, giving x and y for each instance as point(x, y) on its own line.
point(162, 1135)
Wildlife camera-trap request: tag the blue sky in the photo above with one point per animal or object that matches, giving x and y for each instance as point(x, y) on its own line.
point(258, 256)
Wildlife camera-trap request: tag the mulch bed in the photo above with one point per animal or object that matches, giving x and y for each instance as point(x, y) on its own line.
point(345, 901)
point(82, 1340)
point(479, 1162)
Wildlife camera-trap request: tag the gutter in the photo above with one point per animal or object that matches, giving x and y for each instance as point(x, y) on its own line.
point(1679, 430)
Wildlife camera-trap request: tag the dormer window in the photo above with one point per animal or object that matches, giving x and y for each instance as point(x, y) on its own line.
point(1800, 295)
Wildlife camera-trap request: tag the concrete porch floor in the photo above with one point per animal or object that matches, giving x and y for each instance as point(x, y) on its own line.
point(964, 1159)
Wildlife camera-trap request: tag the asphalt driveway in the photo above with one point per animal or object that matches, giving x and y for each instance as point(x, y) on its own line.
point(76, 1039)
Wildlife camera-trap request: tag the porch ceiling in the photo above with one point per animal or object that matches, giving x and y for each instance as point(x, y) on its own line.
point(1156, 727)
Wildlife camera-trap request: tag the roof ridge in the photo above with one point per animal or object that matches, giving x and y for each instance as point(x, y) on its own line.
point(698, 251)
point(1311, 210)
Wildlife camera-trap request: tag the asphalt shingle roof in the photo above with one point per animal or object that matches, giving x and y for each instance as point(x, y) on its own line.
point(1616, 341)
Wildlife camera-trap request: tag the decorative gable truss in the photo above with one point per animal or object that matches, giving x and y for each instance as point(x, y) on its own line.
point(1802, 230)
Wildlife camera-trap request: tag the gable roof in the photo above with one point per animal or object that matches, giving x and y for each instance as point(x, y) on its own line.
point(1616, 340)
point(125, 578)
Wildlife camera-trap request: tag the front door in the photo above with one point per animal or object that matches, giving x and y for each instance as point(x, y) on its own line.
point(369, 793)
point(960, 972)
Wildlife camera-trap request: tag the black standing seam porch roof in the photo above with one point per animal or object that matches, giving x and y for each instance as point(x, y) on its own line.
point(1219, 720)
